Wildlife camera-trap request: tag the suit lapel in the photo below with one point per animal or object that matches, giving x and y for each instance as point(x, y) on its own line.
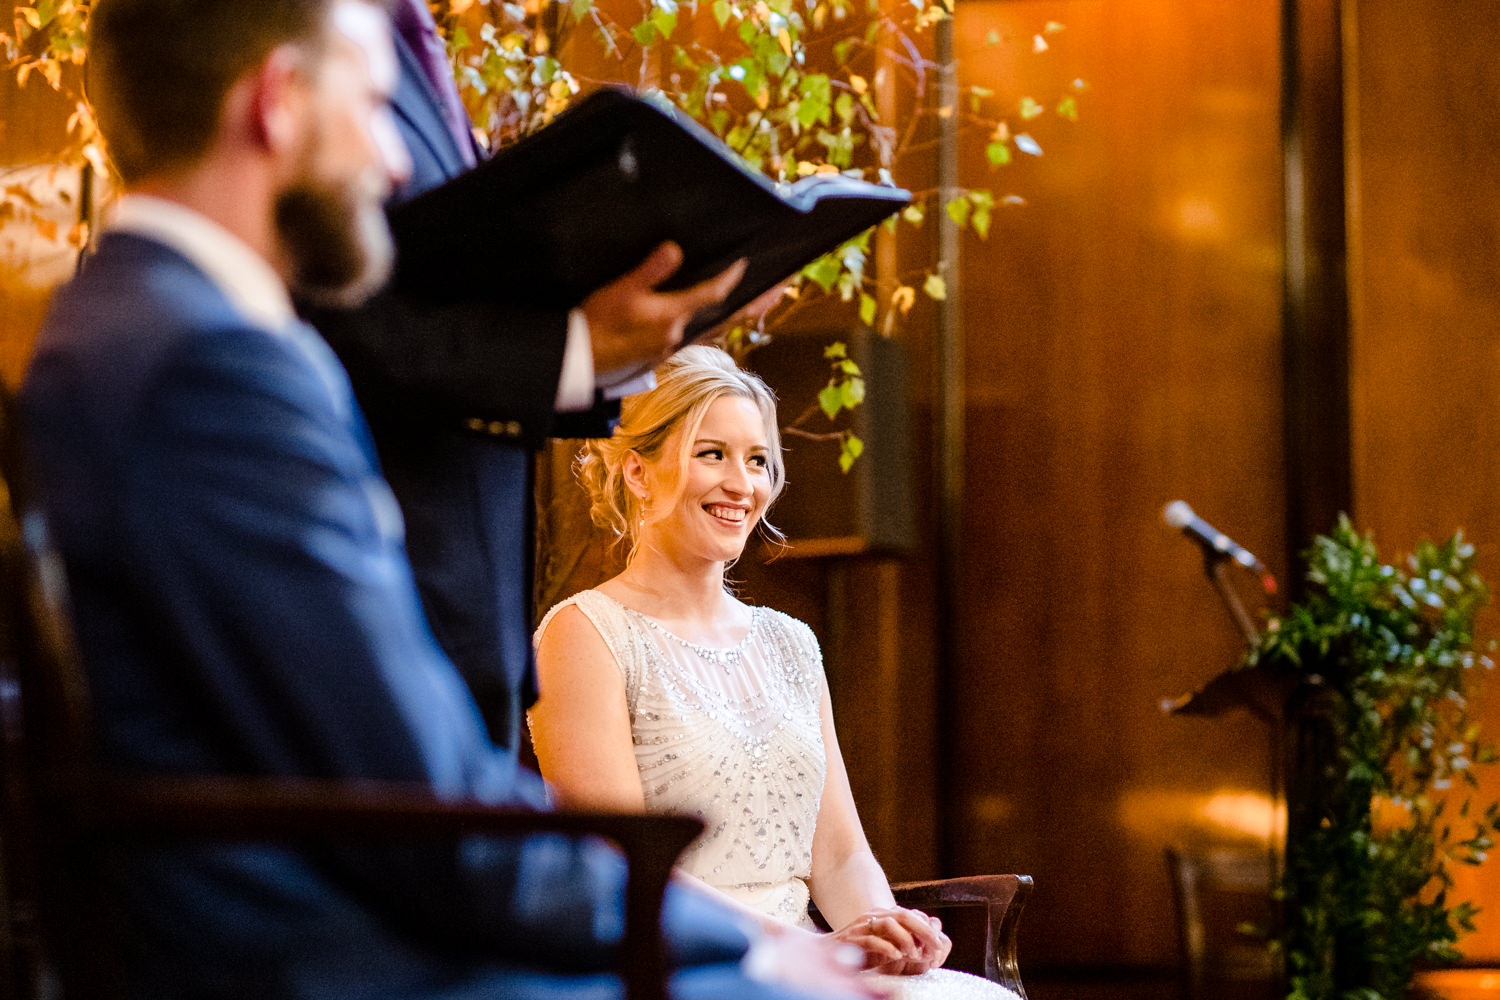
point(416, 104)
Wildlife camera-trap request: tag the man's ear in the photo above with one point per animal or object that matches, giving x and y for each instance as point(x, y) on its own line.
point(275, 100)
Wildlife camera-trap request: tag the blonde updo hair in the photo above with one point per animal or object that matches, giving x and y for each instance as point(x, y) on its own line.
point(687, 384)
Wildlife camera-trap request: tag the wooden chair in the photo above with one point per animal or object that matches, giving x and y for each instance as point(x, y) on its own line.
point(1217, 890)
point(62, 810)
point(1002, 896)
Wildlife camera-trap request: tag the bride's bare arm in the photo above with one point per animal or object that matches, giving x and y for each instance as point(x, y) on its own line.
point(850, 887)
point(580, 727)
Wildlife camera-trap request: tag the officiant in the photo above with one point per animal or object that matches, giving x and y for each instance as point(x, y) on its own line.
point(459, 397)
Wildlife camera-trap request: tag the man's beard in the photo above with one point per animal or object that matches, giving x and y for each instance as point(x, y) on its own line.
point(337, 243)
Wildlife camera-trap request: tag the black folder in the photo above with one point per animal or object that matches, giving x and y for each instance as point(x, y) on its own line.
point(571, 207)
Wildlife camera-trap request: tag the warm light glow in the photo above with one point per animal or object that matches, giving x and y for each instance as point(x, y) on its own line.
point(1461, 984)
point(1251, 814)
point(1229, 814)
point(1198, 219)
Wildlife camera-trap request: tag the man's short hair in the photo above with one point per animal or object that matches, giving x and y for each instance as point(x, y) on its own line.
point(158, 71)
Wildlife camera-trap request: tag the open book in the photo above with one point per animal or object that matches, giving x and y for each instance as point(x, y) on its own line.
point(575, 205)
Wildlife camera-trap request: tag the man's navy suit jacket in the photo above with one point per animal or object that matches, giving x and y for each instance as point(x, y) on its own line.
point(245, 606)
point(459, 396)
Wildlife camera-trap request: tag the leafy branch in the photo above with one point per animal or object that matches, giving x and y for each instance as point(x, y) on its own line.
point(793, 86)
point(844, 390)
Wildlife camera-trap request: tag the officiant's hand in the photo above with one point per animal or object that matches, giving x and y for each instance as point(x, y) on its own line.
point(632, 325)
point(898, 941)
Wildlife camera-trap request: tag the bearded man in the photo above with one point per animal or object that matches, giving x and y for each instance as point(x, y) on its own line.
point(243, 599)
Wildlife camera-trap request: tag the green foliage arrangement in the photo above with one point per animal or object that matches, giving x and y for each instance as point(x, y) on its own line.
point(1382, 659)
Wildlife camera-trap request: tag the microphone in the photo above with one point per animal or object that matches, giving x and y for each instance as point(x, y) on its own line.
point(1216, 544)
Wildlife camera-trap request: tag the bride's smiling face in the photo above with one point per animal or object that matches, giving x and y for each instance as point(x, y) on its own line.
point(723, 487)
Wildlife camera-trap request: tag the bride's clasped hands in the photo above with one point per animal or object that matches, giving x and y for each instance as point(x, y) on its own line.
point(897, 941)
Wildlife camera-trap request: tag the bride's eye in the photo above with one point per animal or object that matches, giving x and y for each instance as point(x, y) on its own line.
point(713, 453)
point(760, 461)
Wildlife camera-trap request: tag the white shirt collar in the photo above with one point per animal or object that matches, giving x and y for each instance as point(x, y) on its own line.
point(244, 276)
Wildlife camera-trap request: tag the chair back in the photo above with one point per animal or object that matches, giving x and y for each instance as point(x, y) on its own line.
point(46, 759)
point(1220, 890)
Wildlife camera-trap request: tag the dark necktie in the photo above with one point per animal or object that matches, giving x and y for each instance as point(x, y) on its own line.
point(413, 22)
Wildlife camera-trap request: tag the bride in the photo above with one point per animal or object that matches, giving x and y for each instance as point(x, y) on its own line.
point(663, 692)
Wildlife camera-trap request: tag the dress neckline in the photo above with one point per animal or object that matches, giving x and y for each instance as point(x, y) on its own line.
point(728, 657)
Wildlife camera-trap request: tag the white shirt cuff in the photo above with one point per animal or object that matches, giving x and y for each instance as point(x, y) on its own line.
point(575, 385)
point(644, 382)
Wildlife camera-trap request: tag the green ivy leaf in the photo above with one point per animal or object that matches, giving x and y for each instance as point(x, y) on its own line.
point(830, 400)
point(722, 11)
point(1068, 108)
point(664, 20)
point(852, 448)
point(935, 287)
point(815, 103)
point(1030, 109)
point(844, 108)
point(644, 33)
point(998, 153)
point(837, 349)
point(852, 392)
point(958, 209)
point(867, 308)
point(824, 271)
point(581, 7)
point(980, 222)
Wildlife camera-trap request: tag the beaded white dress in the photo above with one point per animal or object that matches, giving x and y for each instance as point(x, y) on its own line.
point(734, 737)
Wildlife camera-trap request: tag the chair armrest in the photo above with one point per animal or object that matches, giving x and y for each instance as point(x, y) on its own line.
point(304, 809)
point(1002, 896)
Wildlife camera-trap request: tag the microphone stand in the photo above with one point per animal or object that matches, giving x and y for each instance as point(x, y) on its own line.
point(1277, 726)
point(1214, 565)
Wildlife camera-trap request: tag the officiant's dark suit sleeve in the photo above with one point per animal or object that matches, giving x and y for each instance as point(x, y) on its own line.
point(458, 397)
point(491, 367)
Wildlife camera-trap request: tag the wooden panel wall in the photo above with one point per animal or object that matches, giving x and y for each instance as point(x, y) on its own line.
point(1124, 350)
point(1424, 210)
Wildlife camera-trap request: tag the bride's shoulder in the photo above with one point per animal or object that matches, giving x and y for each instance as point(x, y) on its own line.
point(594, 605)
point(785, 624)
